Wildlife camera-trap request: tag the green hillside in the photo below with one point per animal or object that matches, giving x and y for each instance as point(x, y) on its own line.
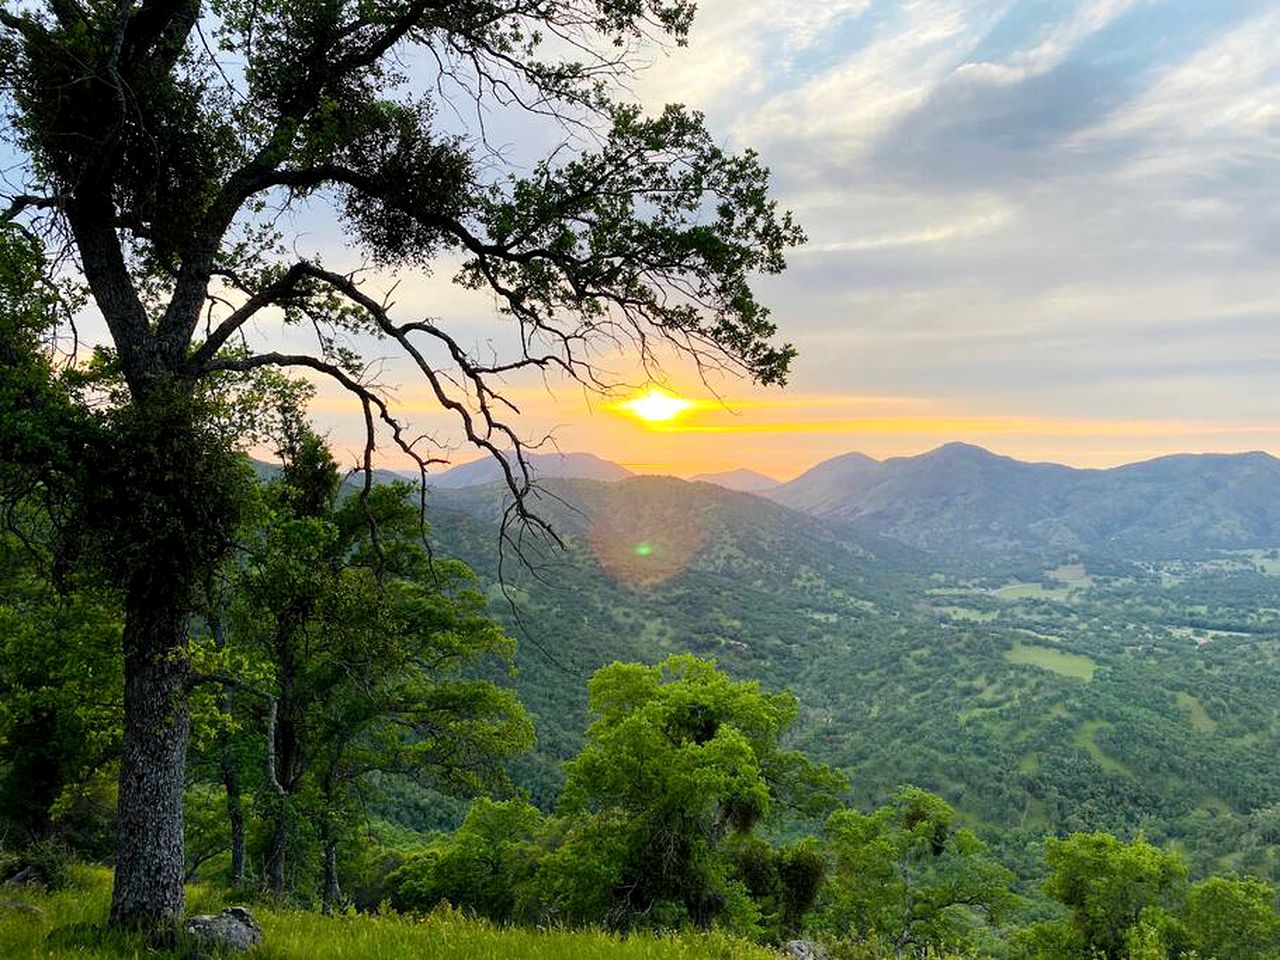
point(1058, 696)
point(961, 501)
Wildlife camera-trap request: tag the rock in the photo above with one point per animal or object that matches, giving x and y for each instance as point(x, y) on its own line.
point(29, 876)
point(19, 906)
point(233, 929)
point(804, 950)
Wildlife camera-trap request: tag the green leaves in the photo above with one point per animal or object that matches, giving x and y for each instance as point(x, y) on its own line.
point(903, 874)
point(679, 758)
point(1107, 884)
point(659, 227)
point(374, 654)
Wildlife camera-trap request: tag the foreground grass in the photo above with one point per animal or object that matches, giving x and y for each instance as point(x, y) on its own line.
point(69, 925)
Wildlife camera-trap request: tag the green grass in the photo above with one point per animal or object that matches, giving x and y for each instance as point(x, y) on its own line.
point(964, 613)
point(69, 928)
point(1199, 717)
point(1031, 591)
point(1067, 664)
point(1084, 740)
point(1071, 573)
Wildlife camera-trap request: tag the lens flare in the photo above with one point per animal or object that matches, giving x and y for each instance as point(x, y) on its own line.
point(647, 538)
point(656, 406)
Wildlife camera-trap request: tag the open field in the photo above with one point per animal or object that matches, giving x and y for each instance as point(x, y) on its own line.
point(1067, 664)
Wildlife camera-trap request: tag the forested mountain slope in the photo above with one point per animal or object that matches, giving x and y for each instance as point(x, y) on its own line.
point(962, 501)
point(545, 466)
point(1116, 696)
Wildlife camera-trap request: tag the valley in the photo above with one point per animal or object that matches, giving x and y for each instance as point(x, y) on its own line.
point(1035, 690)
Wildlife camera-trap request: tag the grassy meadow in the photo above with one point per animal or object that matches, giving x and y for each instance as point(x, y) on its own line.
point(68, 924)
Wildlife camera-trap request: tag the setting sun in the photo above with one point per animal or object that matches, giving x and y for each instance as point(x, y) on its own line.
point(656, 406)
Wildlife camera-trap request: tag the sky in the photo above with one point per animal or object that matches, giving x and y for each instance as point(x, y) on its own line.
point(1048, 227)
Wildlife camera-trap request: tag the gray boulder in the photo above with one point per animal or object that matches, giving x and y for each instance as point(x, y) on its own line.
point(233, 929)
point(804, 950)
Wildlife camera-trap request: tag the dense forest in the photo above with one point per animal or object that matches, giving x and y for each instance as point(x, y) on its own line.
point(887, 758)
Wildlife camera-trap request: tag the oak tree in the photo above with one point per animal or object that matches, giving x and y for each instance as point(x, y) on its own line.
point(164, 146)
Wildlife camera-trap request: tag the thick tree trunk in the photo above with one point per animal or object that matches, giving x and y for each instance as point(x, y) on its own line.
point(148, 878)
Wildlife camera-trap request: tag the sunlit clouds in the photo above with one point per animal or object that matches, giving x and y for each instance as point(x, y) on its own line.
point(1045, 228)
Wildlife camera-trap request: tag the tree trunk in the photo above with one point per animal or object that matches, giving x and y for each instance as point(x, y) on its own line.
point(229, 768)
point(282, 760)
point(235, 812)
point(276, 852)
point(332, 891)
point(148, 878)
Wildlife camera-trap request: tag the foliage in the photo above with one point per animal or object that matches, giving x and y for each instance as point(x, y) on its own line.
point(906, 875)
point(60, 713)
point(367, 648)
point(679, 758)
point(481, 867)
point(1109, 886)
point(1232, 918)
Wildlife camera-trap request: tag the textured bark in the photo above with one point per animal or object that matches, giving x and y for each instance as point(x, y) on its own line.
point(235, 812)
point(332, 891)
point(276, 852)
point(148, 878)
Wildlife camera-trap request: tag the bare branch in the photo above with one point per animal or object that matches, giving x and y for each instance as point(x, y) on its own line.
point(28, 201)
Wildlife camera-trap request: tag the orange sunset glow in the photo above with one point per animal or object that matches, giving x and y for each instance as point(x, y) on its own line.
point(684, 430)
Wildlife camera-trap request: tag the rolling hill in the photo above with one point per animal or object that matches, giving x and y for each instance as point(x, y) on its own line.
point(1074, 699)
point(545, 466)
point(963, 501)
point(742, 480)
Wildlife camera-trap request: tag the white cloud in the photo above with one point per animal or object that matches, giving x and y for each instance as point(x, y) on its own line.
point(737, 49)
point(902, 63)
point(1058, 41)
point(935, 234)
point(1220, 107)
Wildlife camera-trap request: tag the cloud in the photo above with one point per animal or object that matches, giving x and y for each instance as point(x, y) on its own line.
point(1057, 42)
point(1219, 110)
point(927, 235)
point(1050, 224)
point(737, 50)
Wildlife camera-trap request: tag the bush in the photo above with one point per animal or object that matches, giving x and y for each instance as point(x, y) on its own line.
point(44, 863)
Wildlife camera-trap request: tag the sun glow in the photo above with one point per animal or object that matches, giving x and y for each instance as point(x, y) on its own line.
point(656, 406)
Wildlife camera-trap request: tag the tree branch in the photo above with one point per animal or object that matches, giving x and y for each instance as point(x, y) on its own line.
point(28, 201)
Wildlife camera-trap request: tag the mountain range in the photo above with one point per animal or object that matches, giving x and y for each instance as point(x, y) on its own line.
point(963, 501)
point(545, 466)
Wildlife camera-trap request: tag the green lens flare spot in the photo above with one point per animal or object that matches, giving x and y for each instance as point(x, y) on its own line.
point(643, 549)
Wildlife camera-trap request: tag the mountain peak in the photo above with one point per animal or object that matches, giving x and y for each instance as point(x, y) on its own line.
point(742, 480)
point(584, 466)
point(958, 448)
